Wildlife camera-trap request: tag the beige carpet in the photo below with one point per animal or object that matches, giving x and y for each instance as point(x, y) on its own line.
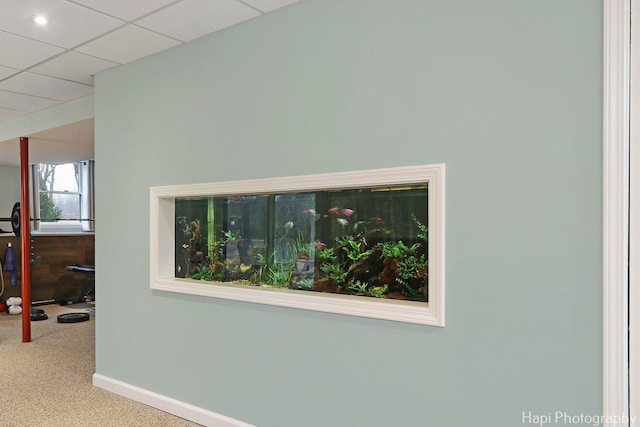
point(47, 382)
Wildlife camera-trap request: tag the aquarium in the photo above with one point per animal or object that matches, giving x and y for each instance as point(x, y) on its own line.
point(367, 243)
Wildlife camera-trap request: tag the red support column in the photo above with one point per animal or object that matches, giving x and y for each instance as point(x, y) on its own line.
point(25, 240)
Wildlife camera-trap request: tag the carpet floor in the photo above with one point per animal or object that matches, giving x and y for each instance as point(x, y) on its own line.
point(47, 382)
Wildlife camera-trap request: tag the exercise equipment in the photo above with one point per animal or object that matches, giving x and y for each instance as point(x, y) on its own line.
point(89, 283)
point(38, 314)
point(15, 219)
point(73, 317)
point(14, 305)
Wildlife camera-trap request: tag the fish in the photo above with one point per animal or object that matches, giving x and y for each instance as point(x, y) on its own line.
point(343, 222)
point(311, 211)
point(333, 210)
point(289, 225)
point(347, 211)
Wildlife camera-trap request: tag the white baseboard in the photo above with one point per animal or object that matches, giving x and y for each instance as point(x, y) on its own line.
point(166, 404)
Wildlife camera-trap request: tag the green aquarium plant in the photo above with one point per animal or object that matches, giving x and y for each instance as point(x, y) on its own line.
point(325, 253)
point(398, 249)
point(278, 275)
point(354, 249)
point(406, 266)
point(204, 273)
point(359, 288)
point(378, 291)
point(410, 270)
point(334, 272)
point(423, 231)
point(218, 246)
point(368, 262)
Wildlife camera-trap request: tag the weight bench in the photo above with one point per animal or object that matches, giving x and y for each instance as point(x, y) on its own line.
point(89, 283)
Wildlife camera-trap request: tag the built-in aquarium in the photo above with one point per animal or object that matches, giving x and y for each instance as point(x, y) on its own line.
point(365, 241)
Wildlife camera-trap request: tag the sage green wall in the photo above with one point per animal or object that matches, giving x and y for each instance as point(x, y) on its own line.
point(506, 93)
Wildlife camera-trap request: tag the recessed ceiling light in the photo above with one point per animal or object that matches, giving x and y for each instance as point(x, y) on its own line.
point(40, 19)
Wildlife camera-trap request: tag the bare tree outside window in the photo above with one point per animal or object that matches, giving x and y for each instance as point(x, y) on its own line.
point(48, 209)
point(59, 187)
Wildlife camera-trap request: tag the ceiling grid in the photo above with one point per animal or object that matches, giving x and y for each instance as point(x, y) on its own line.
point(45, 65)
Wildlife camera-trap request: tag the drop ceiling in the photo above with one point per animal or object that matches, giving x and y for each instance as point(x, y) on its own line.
point(45, 65)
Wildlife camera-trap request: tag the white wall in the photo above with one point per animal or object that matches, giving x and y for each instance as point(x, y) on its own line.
point(9, 193)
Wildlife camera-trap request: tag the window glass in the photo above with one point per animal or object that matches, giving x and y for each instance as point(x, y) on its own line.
point(363, 241)
point(62, 196)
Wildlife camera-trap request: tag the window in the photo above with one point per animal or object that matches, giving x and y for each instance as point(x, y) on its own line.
point(366, 243)
point(62, 197)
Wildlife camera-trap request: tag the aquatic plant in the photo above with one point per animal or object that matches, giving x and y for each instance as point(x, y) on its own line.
point(303, 247)
point(362, 255)
point(272, 273)
point(378, 291)
point(409, 267)
point(358, 287)
point(398, 249)
point(218, 246)
point(305, 283)
point(277, 267)
point(204, 273)
point(333, 272)
point(325, 253)
point(408, 270)
point(278, 275)
point(423, 230)
point(353, 248)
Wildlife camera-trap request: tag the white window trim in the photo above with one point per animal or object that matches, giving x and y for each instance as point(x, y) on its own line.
point(86, 204)
point(162, 231)
point(616, 121)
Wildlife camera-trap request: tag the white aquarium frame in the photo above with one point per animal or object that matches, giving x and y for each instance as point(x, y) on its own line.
point(162, 245)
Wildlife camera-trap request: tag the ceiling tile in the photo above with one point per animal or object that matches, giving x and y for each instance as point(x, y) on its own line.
point(127, 44)
point(73, 66)
point(41, 66)
point(127, 10)
point(20, 52)
point(7, 71)
point(21, 102)
point(269, 5)
point(45, 87)
point(69, 24)
point(191, 19)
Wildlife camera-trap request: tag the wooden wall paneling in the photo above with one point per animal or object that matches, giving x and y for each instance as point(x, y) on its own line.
point(50, 255)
